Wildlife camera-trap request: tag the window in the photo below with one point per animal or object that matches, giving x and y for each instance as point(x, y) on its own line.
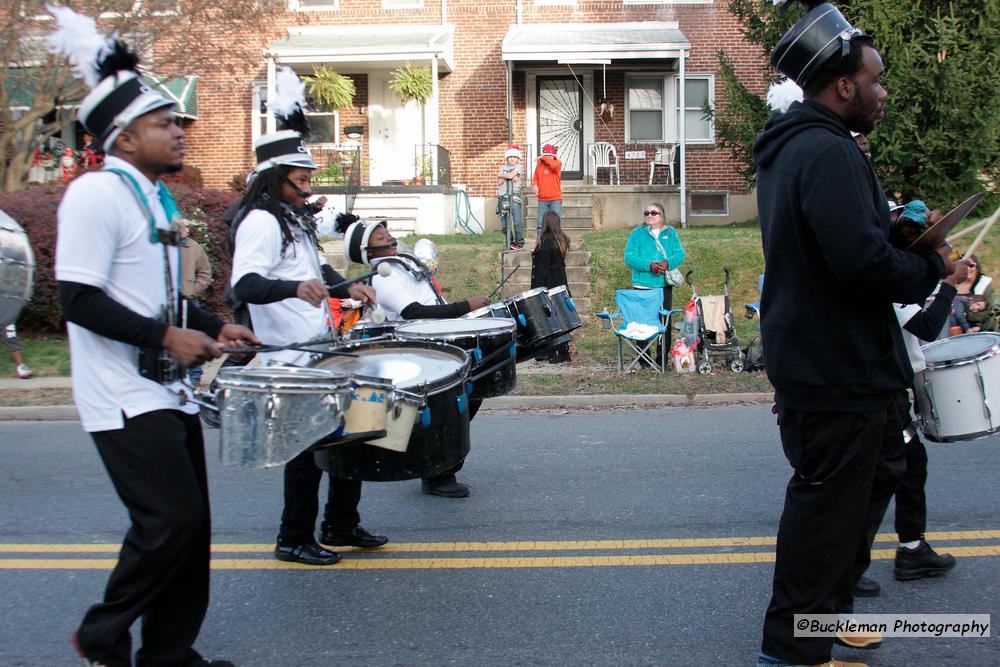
point(709, 203)
point(315, 5)
point(667, 2)
point(698, 91)
point(645, 109)
point(324, 125)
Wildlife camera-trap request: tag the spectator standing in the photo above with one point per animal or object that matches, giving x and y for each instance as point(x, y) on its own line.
point(196, 273)
point(14, 347)
point(548, 270)
point(547, 182)
point(509, 200)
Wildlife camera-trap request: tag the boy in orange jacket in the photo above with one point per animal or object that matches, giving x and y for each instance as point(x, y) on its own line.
point(547, 184)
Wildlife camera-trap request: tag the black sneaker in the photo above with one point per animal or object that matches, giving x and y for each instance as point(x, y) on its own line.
point(445, 488)
point(866, 588)
point(358, 537)
point(921, 562)
point(307, 554)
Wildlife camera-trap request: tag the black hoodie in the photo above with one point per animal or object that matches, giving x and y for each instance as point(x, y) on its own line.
point(831, 340)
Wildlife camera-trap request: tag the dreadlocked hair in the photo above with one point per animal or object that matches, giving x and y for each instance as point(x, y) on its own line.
point(264, 192)
point(119, 58)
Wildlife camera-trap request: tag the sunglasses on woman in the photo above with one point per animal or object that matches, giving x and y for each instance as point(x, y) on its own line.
point(646, 214)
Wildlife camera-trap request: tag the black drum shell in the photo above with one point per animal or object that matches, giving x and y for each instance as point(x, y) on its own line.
point(431, 449)
point(536, 322)
point(568, 318)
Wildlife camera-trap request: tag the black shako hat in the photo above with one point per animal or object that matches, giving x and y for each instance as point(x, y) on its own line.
point(356, 240)
point(819, 39)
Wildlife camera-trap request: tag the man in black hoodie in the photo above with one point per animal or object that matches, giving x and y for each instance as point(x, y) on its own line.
point(832, 347)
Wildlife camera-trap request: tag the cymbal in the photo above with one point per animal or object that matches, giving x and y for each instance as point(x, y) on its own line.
point(934, 236)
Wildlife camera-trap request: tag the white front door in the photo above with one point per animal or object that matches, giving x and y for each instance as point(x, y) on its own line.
point(396, 133)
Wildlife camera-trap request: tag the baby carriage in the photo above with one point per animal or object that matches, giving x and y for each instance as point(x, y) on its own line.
point(716, 329)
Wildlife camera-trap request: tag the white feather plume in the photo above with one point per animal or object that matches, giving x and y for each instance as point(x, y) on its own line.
point(780, 95)
point(76, 36)
point(290, 92)
point(779, 2)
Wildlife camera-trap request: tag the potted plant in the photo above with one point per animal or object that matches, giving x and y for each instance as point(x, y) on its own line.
point(412, 83)
point(331, 90)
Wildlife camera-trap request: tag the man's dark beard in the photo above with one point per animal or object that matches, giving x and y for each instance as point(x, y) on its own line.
point(170, 168)
point(857, 120)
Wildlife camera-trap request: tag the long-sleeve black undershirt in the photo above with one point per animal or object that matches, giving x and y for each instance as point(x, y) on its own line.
point(255, 288)
point(926, 325)
point(91, 308)
point(416, 311)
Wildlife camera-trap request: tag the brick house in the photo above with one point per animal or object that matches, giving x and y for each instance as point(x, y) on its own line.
point(634, 74)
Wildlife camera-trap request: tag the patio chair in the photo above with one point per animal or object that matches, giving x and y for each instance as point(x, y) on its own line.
point(643, 322)
point(604, 156)
point(663, 157)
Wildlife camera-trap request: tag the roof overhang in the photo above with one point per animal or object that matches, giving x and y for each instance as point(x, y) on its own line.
point(366, 46)
point(593, 42)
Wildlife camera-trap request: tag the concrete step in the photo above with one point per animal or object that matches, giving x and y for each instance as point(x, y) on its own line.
point(523, 257)
point(574, 274)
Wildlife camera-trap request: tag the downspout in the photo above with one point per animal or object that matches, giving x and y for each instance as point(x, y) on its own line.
point(520, 12)
point(444, 12)
point(683, 140)
point(510, 100)
point(272, 94)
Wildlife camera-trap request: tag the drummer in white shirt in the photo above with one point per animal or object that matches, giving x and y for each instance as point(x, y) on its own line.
point(408, 293)
point(276, 271)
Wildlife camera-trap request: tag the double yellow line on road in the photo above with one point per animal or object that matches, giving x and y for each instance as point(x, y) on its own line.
point(444, 555)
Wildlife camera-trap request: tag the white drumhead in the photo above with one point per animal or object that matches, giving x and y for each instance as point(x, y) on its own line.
point(453, 328)
point(558, 289)
point(966, 347)
point(405, 367)
point(530, 293)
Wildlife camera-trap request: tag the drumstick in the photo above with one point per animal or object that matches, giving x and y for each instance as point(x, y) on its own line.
point(982, 234)
point(503, 281)
point(971, 228)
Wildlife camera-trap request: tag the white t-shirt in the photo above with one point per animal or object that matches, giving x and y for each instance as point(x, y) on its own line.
point(258, 250)
point(904, 313)
point(104, 242)
point(399, 289)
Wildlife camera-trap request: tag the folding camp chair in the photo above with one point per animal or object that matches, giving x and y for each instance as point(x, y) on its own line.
point(643, 323)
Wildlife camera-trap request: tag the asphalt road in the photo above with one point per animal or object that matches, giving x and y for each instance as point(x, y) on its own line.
point(591, 538)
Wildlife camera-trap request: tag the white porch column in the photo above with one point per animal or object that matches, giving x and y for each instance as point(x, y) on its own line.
point(682, 132)
point(272, 93)
point(433, 121)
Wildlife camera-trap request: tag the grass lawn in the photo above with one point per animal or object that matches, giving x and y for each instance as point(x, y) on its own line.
point(47, 355)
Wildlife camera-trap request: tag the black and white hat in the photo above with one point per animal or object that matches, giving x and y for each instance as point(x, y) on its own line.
point(287, 146)
point(356, 240)
point(118, 93)
point(819, 39)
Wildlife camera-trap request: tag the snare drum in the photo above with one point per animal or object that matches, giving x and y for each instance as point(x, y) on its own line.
point(498, 309)
point(271, 414)
point(366, 330)
point(958, 394)
point(17, 269)
point(430, 414)
point(536, 321)
point(564, 309)
point(489, 342)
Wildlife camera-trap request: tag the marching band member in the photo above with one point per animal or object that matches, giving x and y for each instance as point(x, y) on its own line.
point(117, 267)
point(276, 262)
point(408, 293)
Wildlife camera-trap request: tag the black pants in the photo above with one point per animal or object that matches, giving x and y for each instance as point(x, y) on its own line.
point(449, 474)
point(846, 466)
point(157, 465)
point(911, 503)
point(298, 518)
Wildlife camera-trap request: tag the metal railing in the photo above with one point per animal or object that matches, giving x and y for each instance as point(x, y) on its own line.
point(338, 164)
point(431, 165)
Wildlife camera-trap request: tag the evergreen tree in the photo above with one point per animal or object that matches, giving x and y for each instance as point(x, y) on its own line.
point(940, 138)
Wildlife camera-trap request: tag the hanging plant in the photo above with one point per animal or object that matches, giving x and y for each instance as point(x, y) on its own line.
point(329, 89)
point(412, 83)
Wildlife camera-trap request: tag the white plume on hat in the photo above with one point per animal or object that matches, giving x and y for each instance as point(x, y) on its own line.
point(76, 36)
point(781, 94)
point(290, 92)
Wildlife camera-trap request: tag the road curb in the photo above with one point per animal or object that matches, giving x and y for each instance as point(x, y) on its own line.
point(574, 402)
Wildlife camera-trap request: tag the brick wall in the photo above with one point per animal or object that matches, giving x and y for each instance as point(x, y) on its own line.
point(473, 97)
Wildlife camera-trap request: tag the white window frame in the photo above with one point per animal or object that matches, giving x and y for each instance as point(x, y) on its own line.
point(405, 4)
point(260, 117)
point(336, 128)
point(710, 78)
point(664, 110)
point(702, 212)
point(331, 6)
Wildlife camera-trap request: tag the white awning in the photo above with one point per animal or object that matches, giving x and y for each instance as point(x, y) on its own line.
point(366, 45)
point(583, 42)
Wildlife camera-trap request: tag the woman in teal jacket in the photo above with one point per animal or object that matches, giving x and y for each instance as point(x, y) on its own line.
point(653, 249)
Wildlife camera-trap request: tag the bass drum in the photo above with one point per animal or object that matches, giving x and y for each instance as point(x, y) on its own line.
point(433, 376)
point(17, 269)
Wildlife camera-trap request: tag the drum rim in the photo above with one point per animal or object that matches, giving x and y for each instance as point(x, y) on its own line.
point(531, 292)
point(991, 351)
point(300, 379)
point(502, 325)
point(558, 288)
point(440, 385)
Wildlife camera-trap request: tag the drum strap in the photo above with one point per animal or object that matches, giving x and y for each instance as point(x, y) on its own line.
point(510, 351)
